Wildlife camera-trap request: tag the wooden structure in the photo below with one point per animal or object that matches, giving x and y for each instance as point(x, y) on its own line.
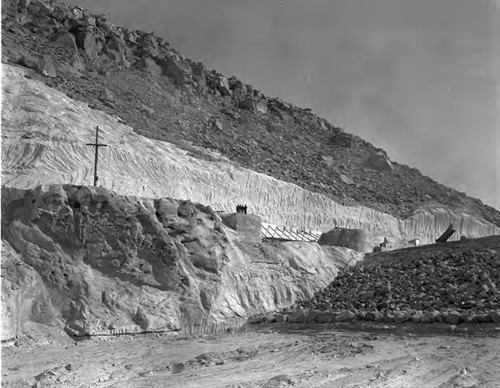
point(446, 234)
point(96, 145)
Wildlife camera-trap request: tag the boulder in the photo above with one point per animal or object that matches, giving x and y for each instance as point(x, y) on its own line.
point(373, 316)
point(297, 317)
point(357, 239)
point(148, 65)
point(342, 139)
point(346, 315)
point(247, 103)
point(236, 85)
point(453, 317)
point(430, 317)
point(178, 71)
point(149, 46)
point(222, 85)
point(495, 316)
point(261, 106)
point(38, 8)
point(378, 160)
point(68, 41)
point(116, 44)
point(107, 95)
point(42, 65)
point(310, 317)
point(279, 318)
point(23, 5)
point(326, 316)
point(77, 64)
point(86, 40)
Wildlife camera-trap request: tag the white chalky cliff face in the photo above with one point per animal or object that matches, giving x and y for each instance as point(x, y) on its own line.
point(56, 244)
point(44, 134)
point(89, 261)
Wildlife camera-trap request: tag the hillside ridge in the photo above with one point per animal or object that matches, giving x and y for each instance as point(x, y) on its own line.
point(138, 77)
point(44, 135)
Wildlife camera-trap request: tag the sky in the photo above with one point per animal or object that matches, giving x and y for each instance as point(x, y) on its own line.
point(417, 78)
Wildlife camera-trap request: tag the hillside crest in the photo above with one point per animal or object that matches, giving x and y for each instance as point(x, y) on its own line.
point(138, 77)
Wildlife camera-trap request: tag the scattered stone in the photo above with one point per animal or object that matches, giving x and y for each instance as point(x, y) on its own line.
point(148, 65)
point(261, 106)
point(107, 95)
point(310, 317)
point(222, 85)
point(378, 160)
point(262, 318)
point(247, 103)
point(42, 65)
point(453, 317)
point(86, 40)
point(77, 64)
point(373, 316)
point(495, 316)
point(345, 316)
point(279, 318)
point(281, 379)
point(326, 316)
point(217, 125)
point(297, 317)
point(67, 40)
point(177, 70)
point(209, 359)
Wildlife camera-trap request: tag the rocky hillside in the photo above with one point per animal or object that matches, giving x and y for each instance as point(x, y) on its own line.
point(138, 77)
point(92, 262)
point(44, 136)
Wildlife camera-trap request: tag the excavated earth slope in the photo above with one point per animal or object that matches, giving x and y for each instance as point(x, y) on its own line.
point(92, 262)
point(44, 134)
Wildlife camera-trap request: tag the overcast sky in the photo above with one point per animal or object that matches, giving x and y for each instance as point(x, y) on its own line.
point(417, 78)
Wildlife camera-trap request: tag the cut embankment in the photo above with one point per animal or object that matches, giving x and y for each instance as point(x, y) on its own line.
point(44, 135)
point(91, 262)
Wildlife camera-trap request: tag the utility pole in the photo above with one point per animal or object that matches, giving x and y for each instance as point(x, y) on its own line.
point(96, 145)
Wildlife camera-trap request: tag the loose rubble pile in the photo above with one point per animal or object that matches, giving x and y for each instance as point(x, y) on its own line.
point(139, 77)
point(460, 285)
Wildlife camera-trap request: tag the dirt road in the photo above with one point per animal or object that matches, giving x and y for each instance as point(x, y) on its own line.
point(278, 355)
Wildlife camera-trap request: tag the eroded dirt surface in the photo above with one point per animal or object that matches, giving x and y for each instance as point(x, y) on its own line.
point(278, 355)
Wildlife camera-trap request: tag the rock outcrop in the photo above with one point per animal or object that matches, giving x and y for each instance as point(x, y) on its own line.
point(44, 136)
point(91, 262)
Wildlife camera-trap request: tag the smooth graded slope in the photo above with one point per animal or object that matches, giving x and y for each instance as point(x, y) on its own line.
point(44, 135)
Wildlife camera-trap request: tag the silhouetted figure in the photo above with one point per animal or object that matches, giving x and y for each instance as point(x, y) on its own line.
point(241, 209)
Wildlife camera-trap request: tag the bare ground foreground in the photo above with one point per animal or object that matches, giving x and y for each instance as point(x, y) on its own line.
point(272, 355)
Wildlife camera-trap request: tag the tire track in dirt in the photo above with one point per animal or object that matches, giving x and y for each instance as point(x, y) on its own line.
point(315, 356)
